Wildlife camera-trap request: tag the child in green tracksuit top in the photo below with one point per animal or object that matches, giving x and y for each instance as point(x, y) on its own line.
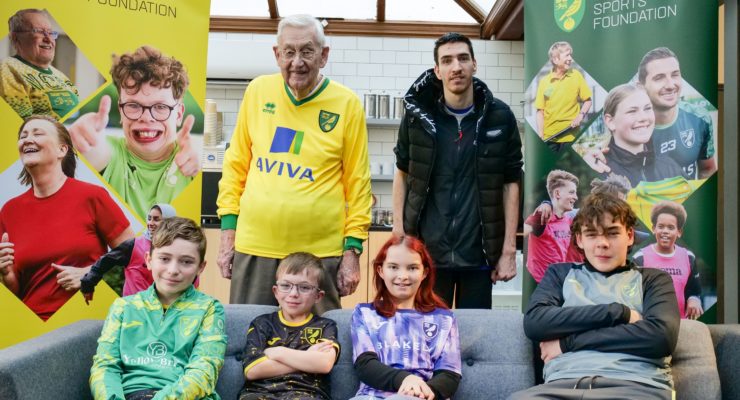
point(167, 342)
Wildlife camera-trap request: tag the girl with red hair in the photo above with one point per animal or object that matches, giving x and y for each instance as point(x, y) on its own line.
point(405, 343)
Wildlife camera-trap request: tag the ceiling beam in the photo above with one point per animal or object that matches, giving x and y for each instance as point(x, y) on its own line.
point(272, 5)
point(513, 27)
point(348, 27)
point(500, 11)
point(472, 9)
point(380, 15)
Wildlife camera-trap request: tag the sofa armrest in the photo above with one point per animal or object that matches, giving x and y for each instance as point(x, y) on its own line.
point(55, 365)
point(726, 340)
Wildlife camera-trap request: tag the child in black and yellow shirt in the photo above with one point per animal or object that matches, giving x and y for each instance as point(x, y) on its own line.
point(290, 352)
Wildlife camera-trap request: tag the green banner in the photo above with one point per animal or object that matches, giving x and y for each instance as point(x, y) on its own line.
point(622, 95)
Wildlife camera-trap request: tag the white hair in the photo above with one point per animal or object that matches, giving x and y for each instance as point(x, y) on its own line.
point(303, 21)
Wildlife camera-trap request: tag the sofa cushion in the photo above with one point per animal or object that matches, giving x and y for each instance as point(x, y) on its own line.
point(694, 364)
point(55, 365)
point(726, 340)
point(238, 317)
point(496, 356)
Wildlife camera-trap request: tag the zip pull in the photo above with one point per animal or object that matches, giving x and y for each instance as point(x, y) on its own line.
point(459, 134)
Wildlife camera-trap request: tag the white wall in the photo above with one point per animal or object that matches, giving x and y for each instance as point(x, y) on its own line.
point(387, 65)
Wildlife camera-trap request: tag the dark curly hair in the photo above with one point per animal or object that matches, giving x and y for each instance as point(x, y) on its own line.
point(148, 65)
point(593, 209)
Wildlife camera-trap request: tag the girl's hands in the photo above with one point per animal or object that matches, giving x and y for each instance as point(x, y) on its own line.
point(412, 385)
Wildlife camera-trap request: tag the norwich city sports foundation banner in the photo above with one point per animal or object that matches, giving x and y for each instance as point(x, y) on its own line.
point(122, 82)
point(621, 98)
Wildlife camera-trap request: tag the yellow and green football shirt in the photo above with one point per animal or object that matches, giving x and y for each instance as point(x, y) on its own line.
point(559, 99)
point(31, 90)
point(296, 173)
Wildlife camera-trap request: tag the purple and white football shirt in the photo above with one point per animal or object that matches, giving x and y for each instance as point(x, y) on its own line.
point(419, 343)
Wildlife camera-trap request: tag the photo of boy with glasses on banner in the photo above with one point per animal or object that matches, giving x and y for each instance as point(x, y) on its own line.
point(151, 160)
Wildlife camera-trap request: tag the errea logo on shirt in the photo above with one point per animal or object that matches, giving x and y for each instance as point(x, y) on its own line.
point(269, 108)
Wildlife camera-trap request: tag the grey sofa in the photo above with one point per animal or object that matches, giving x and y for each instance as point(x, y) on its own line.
point(497, 359)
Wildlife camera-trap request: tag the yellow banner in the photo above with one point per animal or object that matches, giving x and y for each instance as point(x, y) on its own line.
point(58, 63)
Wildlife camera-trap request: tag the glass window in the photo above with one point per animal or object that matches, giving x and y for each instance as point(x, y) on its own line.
point(485, 5)
point(240, 8)
point(426, 10)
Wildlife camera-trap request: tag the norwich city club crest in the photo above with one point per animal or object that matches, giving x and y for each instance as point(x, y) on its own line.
point(312, 335)
point(327, 120)
point(569, 13)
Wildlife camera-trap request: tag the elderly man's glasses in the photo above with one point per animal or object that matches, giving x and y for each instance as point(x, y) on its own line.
point(160, 112)
point(303, 288)
point(42, 32)
point(305, 54)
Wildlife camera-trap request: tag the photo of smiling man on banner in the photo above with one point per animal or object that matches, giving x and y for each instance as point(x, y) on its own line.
point(153, 161)
point(683, 120)
point(563, 99)
point(42, 71)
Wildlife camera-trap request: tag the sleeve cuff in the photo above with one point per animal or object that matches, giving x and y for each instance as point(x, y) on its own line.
point(252, 364)
point(349, 243)
point(512, 176)
point(563, 345)
point(228, 221)
point(398, 379)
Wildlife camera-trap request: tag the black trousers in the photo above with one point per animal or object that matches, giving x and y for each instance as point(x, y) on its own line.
point(469, 288)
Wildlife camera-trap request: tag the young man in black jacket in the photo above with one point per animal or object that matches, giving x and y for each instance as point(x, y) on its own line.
point(606, 329)
point(459, 164)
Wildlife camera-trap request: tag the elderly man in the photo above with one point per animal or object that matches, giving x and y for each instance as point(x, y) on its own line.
point(563, 99)
point(28, 82)
point(459, 164)
point(296, 175)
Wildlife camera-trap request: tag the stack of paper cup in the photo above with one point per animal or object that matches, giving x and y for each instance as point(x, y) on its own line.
point(219, 127)
point(211, 131)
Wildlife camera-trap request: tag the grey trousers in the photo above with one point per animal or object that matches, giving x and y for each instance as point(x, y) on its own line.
point(593, 388)
point(252, 278)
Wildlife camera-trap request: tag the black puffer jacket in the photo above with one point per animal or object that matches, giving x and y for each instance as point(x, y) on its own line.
point(498, 160)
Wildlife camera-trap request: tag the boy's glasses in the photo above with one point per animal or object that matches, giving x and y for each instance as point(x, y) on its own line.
point(303, 288)
point(41, 32)
point(133, 111)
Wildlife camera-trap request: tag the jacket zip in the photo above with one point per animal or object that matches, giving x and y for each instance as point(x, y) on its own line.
point(429, 177)
point(454, 195)
point(477, 177)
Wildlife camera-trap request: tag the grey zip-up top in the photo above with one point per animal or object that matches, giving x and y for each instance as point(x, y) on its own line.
point(589, 311)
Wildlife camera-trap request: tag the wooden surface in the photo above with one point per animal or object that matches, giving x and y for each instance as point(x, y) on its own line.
point(211, 281)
